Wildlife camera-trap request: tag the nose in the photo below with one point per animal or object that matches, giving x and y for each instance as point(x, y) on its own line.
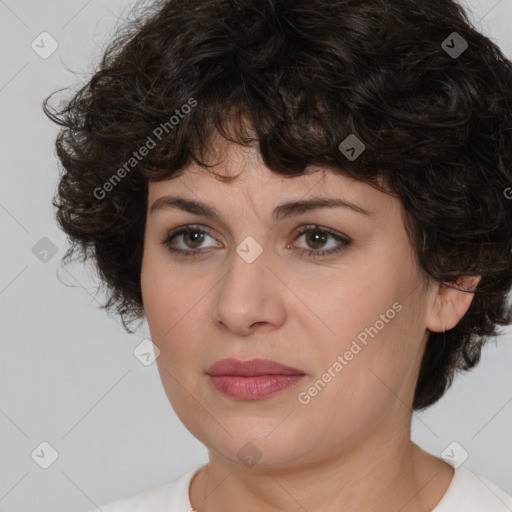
point(251, 295)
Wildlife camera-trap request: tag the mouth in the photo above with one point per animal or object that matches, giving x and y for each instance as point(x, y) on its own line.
point(252, 380)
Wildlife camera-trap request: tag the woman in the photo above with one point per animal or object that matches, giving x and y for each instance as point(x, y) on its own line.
point(307, 203)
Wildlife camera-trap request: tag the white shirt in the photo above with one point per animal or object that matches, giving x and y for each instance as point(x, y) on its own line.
point(467, 492)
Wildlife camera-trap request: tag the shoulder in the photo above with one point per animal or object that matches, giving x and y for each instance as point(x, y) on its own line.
point(469, 492)
point(162, 498)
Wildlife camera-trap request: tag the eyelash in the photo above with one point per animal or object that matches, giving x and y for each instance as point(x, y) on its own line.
point(344, 241)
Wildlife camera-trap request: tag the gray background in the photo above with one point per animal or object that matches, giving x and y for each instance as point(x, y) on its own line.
point(68, 375)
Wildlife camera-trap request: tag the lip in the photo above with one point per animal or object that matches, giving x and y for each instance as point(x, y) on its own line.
point(252, 380)
point(251, 368)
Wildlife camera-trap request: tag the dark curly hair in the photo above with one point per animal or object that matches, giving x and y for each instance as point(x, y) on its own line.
point(436, 126)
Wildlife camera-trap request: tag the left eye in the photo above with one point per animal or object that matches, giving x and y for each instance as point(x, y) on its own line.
point(314, 235)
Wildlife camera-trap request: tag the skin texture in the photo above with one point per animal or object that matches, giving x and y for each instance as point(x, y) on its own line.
point(349, 448)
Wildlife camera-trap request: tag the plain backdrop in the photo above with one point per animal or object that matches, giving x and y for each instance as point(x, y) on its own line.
point(68, 373)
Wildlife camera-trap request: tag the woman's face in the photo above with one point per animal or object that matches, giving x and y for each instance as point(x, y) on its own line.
point(353, 321)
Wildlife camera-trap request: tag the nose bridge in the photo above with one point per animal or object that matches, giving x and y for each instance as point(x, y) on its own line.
point(247, 277)
point(248, 294)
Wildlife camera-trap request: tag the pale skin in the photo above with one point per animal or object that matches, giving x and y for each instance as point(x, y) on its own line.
point(349, 448)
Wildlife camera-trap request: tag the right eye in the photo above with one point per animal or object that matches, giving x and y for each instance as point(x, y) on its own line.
point(192, 236)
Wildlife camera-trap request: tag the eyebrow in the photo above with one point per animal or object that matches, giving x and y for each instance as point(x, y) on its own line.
point(281, 211)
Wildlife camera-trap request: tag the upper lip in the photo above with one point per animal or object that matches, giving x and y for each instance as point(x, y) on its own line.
point(251, 368)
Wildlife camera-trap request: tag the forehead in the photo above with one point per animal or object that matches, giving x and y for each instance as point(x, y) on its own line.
point(240, 176)
point(201, 194)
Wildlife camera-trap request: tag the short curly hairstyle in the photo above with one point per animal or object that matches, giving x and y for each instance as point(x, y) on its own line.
point(428, 95)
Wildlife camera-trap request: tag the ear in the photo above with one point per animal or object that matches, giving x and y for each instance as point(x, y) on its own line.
point(449, 305)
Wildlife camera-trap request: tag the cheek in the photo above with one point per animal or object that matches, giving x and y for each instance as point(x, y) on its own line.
point(375, 333)
point(164, 294)
point(360, 307)
point(354, 392)
point(172, 315)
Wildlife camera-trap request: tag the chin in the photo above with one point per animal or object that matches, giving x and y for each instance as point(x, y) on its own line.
point(257, 443)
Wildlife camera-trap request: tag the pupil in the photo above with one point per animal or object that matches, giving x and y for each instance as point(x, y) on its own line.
point(199, 236)
point(319, 237)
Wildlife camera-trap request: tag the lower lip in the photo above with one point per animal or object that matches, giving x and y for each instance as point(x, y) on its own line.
point(254, 388)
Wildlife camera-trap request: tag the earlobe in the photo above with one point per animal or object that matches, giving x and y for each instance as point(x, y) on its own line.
point(451, 303)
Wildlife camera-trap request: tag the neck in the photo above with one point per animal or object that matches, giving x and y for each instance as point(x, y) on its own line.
point(383, 474)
